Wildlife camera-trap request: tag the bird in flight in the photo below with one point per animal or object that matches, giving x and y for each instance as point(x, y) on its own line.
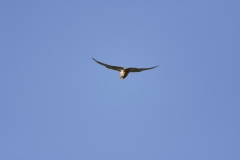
point(124, 71)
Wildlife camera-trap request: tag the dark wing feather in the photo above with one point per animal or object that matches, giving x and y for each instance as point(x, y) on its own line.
point(117, 68)
point(139, 69)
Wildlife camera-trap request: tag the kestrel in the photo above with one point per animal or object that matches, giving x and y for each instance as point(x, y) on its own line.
point(124, 71)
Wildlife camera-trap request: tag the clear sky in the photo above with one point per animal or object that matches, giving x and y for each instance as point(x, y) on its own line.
point(57, 103)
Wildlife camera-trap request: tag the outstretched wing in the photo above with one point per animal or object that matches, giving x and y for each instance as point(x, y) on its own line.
point(139, 69)
point(117, 68)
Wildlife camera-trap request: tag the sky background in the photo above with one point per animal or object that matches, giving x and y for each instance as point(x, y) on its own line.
point(57, 103)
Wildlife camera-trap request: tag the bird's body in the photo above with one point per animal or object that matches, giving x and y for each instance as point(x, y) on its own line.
point(123, 74)
point(124, 71)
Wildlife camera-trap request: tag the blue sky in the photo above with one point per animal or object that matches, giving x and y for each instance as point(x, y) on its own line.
point(57, 103)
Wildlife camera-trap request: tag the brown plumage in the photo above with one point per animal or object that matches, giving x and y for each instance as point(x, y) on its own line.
point(124, 71)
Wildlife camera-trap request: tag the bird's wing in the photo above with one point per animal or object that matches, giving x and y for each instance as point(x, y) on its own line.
point(139, 69)
point(117, 68)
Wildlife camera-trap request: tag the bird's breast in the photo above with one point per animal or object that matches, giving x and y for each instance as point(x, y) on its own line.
point(123, 74)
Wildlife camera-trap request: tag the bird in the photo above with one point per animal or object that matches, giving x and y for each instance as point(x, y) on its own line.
point(123, 71)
